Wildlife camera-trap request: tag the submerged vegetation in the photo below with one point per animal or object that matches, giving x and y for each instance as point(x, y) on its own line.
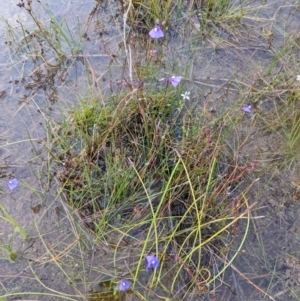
point(156, 172)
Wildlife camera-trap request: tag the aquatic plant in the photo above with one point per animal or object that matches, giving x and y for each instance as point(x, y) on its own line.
point(12, 184)
point(152, 262)
point(8, 218)
point(7, 247)
point(124, 285)
point(174, 80)
point(156, 32)
point(247, 109)
point(186, 95)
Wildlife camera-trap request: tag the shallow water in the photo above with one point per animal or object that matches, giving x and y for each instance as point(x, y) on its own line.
point(221, 66)
point(22, 156)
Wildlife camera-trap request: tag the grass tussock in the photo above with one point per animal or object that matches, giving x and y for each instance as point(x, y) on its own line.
point(149, 174)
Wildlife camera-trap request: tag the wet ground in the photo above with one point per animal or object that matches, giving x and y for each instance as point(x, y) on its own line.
point(223, 67)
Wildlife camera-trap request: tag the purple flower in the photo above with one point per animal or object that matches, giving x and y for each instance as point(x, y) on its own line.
point(152, 261)
point(156, 33)
point(12, 184)
point(174, 80)
point(124, 285)
point(247, 109)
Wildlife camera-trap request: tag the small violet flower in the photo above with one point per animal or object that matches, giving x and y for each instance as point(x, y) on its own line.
point(186, 95)
point(124, 285)
point(156, 33)
point(174, 80)
point(152, 261)
point(298, 77)
point(247, 109)
point(12, 184)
